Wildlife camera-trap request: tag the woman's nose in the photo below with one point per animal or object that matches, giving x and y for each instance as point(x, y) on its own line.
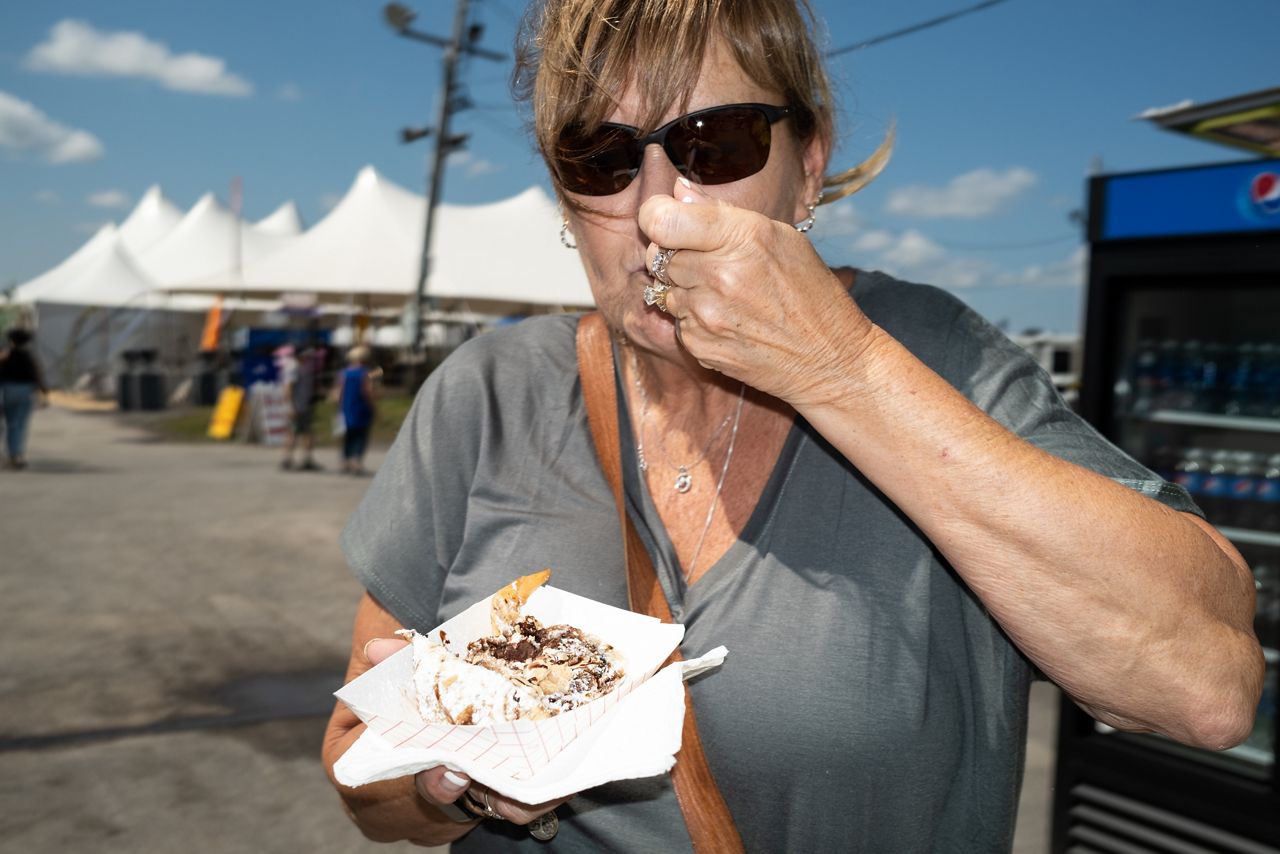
point(657, 173)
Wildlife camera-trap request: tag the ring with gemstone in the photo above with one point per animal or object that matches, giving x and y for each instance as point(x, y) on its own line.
point(656, 295)
point(659, 266)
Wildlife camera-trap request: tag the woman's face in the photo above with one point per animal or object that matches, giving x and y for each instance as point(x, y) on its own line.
point(614, 249)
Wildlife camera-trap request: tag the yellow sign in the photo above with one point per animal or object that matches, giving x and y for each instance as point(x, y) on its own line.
point(226, 413)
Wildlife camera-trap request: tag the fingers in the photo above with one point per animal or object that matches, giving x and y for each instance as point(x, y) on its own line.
point(687, 219)
point(378, 650)
point(440, 786)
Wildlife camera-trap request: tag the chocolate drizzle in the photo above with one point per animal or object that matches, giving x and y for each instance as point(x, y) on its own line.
point(565, 665)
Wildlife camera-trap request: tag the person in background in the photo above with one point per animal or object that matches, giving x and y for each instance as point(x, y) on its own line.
point(300, 389)
point(356, 403)
point(21, 380)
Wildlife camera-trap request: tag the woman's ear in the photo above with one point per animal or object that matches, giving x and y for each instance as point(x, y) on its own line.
point(815, 155)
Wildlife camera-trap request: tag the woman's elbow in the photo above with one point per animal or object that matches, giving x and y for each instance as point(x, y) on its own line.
point(1223, 714)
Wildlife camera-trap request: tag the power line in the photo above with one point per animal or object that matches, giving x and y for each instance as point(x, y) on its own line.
point(915, 28)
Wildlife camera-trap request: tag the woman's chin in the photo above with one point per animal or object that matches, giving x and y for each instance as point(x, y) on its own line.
point(652, 329)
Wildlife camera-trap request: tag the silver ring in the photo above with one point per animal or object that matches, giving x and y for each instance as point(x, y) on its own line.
point(488, 807)
point(482, 807)
point(659, 266)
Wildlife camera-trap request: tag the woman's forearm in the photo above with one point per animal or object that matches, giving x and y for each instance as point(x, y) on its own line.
point(391, 810)
point(1139, 612)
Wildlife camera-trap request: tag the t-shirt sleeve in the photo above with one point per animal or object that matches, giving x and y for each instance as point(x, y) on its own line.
point(1009, 385)
point(401, 539)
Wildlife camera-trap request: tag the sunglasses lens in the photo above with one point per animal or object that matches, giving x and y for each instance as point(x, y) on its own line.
point(597, 164)
point(720, 146)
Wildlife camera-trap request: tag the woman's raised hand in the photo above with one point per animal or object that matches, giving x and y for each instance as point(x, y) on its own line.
point(751, 297)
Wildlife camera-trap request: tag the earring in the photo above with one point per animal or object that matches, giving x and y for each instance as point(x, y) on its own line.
point(807, 224)
point(564, 235)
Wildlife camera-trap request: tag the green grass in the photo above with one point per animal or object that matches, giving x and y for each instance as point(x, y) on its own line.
point(191, 424)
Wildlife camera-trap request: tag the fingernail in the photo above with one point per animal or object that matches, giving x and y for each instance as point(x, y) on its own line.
point(455, 781)
point(687, 199)
point(370, 642)
point(685, 182)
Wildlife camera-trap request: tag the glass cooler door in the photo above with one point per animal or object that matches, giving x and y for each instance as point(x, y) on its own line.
point(1196, 398)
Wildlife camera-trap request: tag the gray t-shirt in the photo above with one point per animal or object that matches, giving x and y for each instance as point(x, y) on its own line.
point(868, 702)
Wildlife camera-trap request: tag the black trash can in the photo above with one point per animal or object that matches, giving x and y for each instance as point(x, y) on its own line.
point(126, 382)
point(150, 383)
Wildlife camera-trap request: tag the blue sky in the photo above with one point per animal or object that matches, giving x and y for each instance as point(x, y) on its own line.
point(999, 114)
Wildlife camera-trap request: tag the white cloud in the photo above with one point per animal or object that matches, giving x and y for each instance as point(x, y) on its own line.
point(1069, 271)
point(874, 241)
point(289, 92)
point(913, 256)
point(109, 199)
point(23, 127)
point(972, 195)
point(46, 197)
point(837, 219)
point(473, 166)
point(76, 47)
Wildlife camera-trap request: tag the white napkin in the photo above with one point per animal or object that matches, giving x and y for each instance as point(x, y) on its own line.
point(638, 737)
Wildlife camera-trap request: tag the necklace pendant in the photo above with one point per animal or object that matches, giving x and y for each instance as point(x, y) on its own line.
point(684, 481)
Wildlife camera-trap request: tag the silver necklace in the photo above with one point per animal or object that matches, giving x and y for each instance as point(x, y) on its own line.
point(715, 499)
point(684, 478)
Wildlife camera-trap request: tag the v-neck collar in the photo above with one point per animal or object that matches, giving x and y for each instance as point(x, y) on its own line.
point(644, 513)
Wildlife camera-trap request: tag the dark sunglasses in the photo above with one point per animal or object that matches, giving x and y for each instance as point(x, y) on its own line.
point(712, 146)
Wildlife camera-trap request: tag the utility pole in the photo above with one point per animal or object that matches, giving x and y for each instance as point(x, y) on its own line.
point(463, 40)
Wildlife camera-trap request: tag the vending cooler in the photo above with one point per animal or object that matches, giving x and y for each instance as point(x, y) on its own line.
point(1182, 371)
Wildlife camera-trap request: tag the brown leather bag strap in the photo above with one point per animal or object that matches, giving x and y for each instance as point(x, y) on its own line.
point(706, 814)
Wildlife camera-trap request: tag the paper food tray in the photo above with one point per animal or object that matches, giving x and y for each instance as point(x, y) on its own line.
point(383, 697)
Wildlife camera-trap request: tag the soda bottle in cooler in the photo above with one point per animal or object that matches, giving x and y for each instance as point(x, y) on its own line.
point(1243, 476)
point(1191, 394)
point(1214, 489)
point(1143, 382)
point(1214, 377)
point(1266, 382)
point(1169, 376)
point(1241, 384)
point(1267, 496)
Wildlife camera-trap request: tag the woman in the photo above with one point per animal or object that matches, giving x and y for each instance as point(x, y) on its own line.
point(355, 402)
point(20, 382)
point(873, 499)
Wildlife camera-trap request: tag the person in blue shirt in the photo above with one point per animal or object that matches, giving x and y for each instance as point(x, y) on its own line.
point(355, 402)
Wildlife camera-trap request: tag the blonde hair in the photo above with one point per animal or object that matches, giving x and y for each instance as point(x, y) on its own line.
point(575, 57)
point(358, 355)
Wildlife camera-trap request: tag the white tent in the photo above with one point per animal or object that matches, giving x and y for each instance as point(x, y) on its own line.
point(284, 221)
point(368, 248)
point(150, 221)
point(108, 278)
point(507, 251)
point(208, 240)
point(55, 278)
point(99, 302)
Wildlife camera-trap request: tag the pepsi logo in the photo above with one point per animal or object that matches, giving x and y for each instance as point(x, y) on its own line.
point(1264, 192)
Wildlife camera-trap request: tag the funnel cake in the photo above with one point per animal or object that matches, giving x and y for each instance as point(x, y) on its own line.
point(523, 671)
